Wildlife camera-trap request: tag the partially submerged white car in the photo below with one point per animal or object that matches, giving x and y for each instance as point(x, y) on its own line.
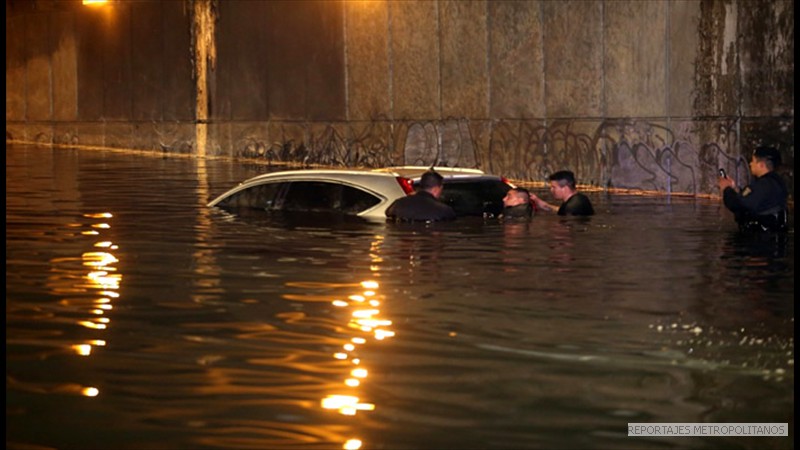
point(363, 193)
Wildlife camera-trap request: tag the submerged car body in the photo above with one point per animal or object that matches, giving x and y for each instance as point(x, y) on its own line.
point(363, 193)
point(352, 192)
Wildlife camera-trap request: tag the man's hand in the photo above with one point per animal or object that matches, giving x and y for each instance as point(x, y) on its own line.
point(725, 182)
point(541, 204)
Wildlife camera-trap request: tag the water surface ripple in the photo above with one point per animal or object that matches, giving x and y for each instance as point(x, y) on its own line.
point(137, 318)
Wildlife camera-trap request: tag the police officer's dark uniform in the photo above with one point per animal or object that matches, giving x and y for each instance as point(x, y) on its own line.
point(761, 206)
point(422, 206)
point(577, 205)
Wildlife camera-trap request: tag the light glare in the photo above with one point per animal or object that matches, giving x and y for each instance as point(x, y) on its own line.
point(90, 392)
point(352, 444)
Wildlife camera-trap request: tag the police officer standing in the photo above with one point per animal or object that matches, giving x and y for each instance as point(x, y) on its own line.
point(761, 206)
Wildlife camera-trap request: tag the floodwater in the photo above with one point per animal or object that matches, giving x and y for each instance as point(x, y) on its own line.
point(137, 318)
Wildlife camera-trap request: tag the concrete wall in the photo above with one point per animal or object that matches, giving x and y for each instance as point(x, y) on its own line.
point(649, 95)
point(116, 77)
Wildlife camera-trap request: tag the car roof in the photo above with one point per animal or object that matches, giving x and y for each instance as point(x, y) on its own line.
point(417, 171)
point(335, 174)
point(391, 171)
point(450, 174)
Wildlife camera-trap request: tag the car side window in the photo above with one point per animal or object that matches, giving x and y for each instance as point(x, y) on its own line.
point(261, 196)
point(320, 196)
point(310, 196)
point(355, 200)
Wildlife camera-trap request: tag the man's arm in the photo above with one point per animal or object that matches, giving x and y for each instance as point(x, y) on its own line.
point(752, 199)
point(543, 205)
point(730, 194)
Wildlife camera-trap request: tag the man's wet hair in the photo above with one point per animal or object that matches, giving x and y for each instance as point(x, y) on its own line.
point(524, 192)
point(770, 155)
point(564, 177)
point(430, 179)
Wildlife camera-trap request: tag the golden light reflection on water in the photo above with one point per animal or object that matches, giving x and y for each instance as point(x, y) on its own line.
point(90, 392)
point(352, 444)
point(100, 281)
point(365, 322)
point(207, 281)
point(102, 278)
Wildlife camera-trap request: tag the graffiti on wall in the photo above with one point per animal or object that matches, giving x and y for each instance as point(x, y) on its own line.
point(677, 156)
point(346, 145)
point(669, 157)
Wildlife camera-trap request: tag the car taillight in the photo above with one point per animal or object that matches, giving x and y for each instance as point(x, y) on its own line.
point(406, 185)
point(505, 180)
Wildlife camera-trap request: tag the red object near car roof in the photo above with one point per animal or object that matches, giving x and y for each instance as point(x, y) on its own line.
point(406, 184)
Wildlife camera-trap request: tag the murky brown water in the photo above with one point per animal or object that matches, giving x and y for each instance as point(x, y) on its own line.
point(137, 318)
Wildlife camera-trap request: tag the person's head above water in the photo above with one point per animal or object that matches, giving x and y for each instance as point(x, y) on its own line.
point(562, 184)
point(564, 178)
point(516, 196)
point(431, 181)
point(765, 159)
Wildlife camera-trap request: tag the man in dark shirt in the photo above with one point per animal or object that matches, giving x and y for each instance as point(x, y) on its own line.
point(761, 206)
point(517, 204)
point(424, 205)
point(562, 186)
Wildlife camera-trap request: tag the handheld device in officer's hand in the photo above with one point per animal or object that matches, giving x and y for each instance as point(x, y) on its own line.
point(722, 173)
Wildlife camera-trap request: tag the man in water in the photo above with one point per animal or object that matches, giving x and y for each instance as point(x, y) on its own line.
point(562, 186)
point(423, 205)
point(761, 206)
point(517, 204)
